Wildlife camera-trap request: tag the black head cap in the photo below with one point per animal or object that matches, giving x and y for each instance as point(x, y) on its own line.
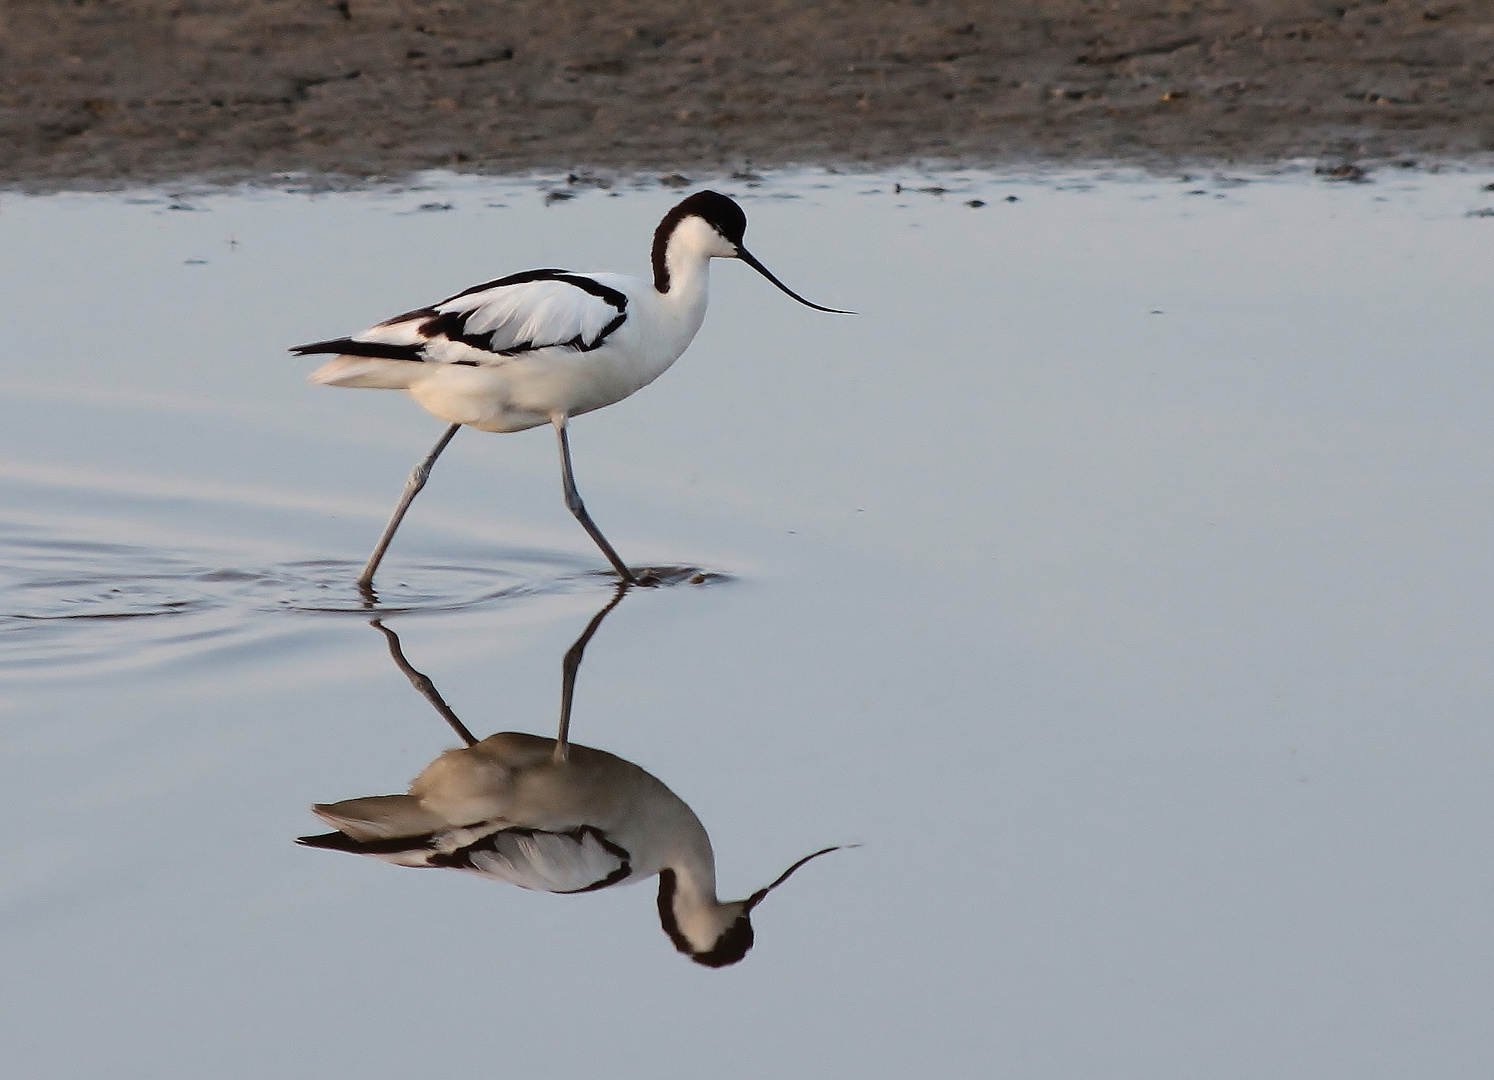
point(730, 947)
point(718, 211)
point(712, 207)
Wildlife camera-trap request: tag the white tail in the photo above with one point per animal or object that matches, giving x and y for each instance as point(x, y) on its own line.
point(367, 371)
point(380, 817)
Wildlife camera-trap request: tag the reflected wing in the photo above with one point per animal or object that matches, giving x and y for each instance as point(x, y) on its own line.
point(578, 860)
point(539, 309)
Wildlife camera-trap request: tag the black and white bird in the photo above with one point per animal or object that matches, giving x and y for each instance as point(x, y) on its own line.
point(542, 346)
point(554, 816)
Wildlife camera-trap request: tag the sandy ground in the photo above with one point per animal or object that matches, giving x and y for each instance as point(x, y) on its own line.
point(105, 90)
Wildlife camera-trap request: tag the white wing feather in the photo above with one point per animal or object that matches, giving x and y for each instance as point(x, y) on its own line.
point(533, 314)
point(547, 862)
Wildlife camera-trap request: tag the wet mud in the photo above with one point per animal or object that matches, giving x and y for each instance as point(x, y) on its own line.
point(100, 91)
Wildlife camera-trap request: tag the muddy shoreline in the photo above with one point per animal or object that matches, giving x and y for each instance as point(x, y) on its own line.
point(101, 92)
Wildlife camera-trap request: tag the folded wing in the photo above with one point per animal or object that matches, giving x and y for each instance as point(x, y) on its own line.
point(577, 860)
point(580, 860)
point(538, 309)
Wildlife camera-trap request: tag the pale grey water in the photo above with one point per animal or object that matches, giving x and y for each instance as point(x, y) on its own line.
point(1119, 578)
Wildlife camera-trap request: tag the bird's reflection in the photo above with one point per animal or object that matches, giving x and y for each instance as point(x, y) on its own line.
point(551, 815)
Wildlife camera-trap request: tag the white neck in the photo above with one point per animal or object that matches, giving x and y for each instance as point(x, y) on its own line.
point(681, 305)
point(696, 912)
point(698, 915)
point(689, 281)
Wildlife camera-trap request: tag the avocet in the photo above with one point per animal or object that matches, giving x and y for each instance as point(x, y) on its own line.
point(554, 816)
point(543, 346)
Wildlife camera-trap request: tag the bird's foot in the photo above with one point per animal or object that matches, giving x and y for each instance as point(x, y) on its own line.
point(654, 577)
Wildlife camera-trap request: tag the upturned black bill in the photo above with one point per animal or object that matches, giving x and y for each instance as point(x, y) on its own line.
point(748, 258)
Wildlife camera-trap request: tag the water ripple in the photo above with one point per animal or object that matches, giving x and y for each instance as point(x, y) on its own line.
point(69, 602)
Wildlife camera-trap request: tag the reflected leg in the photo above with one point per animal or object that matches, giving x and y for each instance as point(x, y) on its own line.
point(418, 477)
point(572, 664)
point(578, 508)
point(420, 681)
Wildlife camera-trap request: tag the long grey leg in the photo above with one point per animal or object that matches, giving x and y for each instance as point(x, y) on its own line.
point(420, 681)
point(578, 508)
point(418, 476)
point(571, 665)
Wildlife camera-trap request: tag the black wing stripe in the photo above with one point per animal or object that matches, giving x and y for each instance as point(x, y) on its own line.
point(596, 288)
point(453, 326)
point(624, 861)
point(409, 316)
point(337, 841)
point(585, 284)
point(350, 347)
point(622, 317)
point(512, 279)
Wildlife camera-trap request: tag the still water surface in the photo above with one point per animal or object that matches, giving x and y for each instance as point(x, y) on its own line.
point(1118, 579)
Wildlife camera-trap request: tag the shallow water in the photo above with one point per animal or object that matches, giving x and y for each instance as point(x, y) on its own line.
point(1118, 579)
